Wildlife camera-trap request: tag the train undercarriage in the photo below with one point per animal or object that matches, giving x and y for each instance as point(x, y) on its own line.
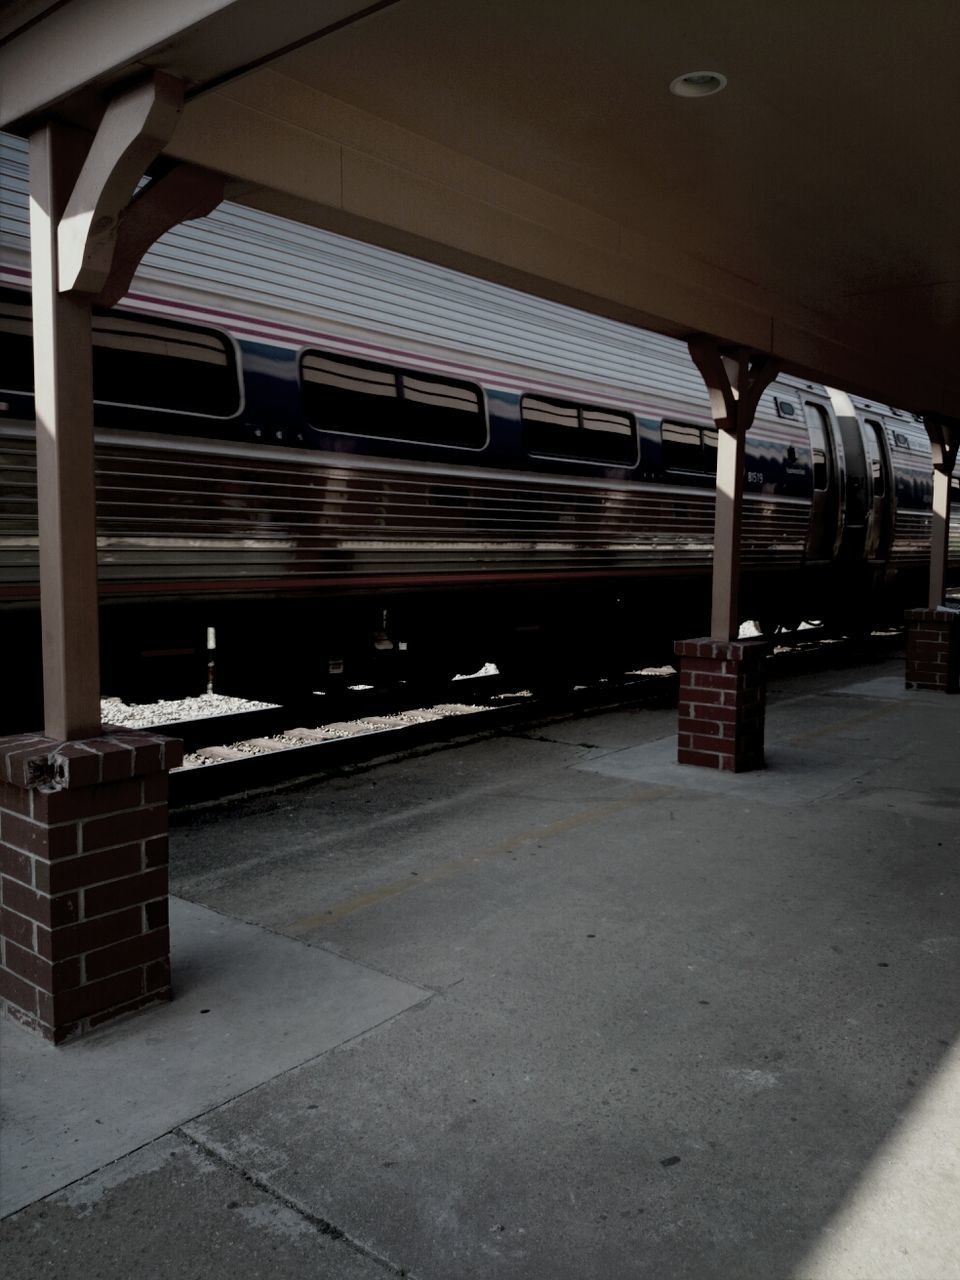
point(281, 648)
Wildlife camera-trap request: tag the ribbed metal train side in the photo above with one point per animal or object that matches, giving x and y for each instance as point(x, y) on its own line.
point(174, 519)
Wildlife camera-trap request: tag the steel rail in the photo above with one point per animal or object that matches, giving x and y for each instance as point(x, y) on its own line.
point(299, 765)
point(295, 765)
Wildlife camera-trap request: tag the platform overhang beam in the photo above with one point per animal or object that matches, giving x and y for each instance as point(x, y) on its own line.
point(80, 51)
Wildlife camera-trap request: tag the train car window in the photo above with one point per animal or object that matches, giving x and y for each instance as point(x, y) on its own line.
point(818, 427)
point(600, 420)
point(137, 363)
point(566, 417)
point(342, 394)
point(582, 433)
point(16, 347)
point(336, 376)
point(435, 410)
point(686, 447)
point(153, 365)
point(874, 439)
point(682, 447)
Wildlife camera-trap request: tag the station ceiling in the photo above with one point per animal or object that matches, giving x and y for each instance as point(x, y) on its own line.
point(811, 208)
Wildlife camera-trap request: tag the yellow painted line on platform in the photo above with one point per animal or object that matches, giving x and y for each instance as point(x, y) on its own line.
point(457, 865)
point(851, 723)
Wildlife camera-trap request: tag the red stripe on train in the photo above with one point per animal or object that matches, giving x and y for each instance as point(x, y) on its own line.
point(399, 580)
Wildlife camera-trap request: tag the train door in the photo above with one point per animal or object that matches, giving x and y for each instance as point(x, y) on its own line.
point(880, 515)
point(825, 525)
point(855, 487)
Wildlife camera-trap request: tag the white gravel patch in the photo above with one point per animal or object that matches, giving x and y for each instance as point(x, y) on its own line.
point(330, 732)
point(141, 715)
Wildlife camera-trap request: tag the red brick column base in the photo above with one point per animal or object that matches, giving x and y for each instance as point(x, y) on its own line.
point(83, 856)
point(722, 700)
point(933, 649)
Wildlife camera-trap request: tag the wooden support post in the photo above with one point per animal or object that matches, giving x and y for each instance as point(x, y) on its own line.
point(728, 517)
point(945, 443)
point(65, 477)
point(939, 538)
point(80, 191)
point(83, 816)
point(722, 692)
point(736, 378)
point(933, 634)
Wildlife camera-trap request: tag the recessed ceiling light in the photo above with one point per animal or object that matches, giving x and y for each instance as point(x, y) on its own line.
point(698, 84)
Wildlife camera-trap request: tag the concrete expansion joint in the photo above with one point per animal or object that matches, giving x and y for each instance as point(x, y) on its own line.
point(428, 992)
point(213, 1151)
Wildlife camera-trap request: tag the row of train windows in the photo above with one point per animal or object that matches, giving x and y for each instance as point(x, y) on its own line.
point(176, 369)
point(397, 404)
point(360, 398)
point(173, 368)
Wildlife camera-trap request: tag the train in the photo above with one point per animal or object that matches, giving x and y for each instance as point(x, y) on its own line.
point(349, 465)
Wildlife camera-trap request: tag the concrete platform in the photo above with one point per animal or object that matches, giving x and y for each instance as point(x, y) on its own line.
point(541, 1007)
point(248, 1005)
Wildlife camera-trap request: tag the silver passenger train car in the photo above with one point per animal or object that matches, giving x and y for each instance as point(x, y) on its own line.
point(355, 465)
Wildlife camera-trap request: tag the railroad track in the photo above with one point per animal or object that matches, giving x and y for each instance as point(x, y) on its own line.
point(300, 753)
point(320, 709)
point(252, 751)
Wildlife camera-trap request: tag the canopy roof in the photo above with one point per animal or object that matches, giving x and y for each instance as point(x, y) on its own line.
point(809, 209)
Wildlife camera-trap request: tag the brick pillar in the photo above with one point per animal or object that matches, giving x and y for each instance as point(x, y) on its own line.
point(933, 649)
point(722, 699)
point(83, 854)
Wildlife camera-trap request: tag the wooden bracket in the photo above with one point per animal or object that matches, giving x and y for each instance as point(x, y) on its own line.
point(944, 436)
point(184, 192)
point(135, 127)
point(735, 377)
